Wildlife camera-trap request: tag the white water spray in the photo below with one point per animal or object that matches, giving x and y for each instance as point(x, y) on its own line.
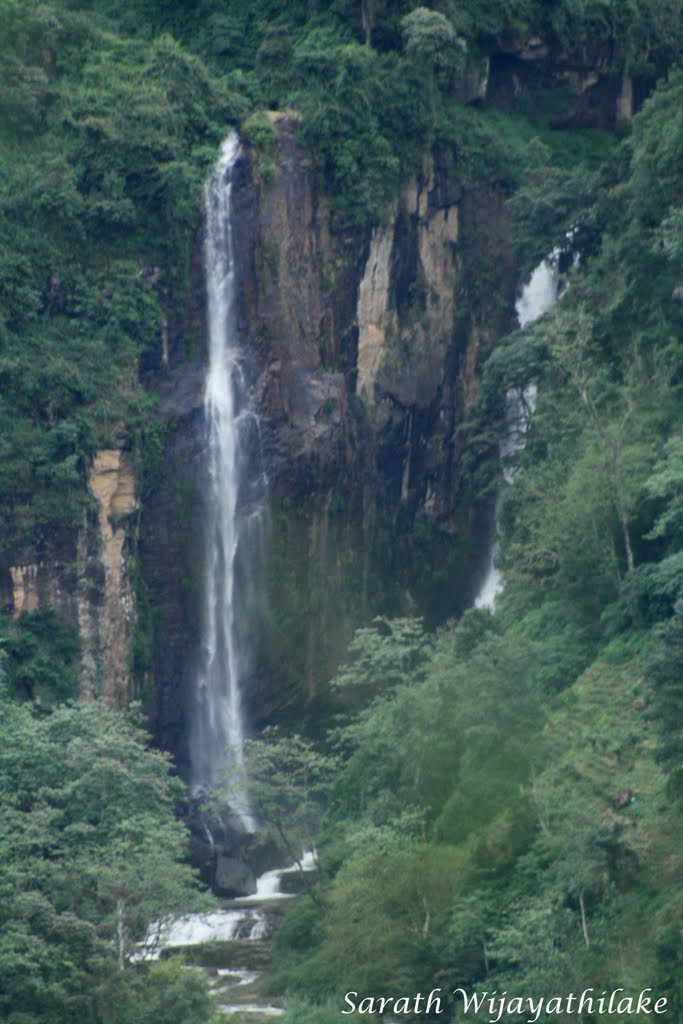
point(235, 518)
point(538, 295)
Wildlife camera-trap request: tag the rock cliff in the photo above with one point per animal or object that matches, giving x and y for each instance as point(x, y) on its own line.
point(363, 351)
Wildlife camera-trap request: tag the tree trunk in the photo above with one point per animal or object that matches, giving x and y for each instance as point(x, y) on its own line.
point(584, 923)
point(303, 875)
point(121, 933)
point(627, 539)
point(367, 17)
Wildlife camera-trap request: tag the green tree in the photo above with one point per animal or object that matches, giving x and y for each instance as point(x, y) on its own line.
point(666, 484)
point(626, 455)
point(430, 37)
point(288, 780)
point(41, 657)
point(666, 673)
point(92, 854)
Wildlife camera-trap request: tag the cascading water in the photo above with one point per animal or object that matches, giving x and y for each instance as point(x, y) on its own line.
point(541, 291)
point(244, 924)
point(539, 295)
point(235, 519)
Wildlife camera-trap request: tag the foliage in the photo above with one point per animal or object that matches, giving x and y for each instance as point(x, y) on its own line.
point(381, 655)
point(430, 38)
point(657, 153)
point(666, 484)
point(166, 991)
point(258, 129)
point(41, 658)
point(287, 780)
point(552, 203)
point(104, 152)
point(110, 126)
point(667, 697)
point(92, 854)
point(342, 105)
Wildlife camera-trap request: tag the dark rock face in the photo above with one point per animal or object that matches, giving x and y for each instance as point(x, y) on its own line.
point(171, 553)
point(366, 350)
point(299, 304)
point(170, 547)
point(233, 877)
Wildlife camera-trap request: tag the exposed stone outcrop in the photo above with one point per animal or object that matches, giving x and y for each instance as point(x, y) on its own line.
point(24, 588)
point(233, 877)
point(299, 287)
point(600, 92)
point(624, 110)
point(68, 579)
point(112, 481)
point(375, 319)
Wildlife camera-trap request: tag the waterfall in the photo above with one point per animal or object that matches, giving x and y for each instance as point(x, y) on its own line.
point(538, 295)
point(235, 519)
point(540, 292)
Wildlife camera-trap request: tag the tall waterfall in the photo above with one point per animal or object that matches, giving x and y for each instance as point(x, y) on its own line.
point(537, 296)
point(235, 518)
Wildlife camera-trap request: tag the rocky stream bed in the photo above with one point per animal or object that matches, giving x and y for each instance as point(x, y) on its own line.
point(232, 945)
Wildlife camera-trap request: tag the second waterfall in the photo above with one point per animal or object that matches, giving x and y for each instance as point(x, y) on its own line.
point(235, 518)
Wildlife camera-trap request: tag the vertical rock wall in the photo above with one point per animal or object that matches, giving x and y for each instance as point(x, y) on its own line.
point(112, 481)
point(363, 351)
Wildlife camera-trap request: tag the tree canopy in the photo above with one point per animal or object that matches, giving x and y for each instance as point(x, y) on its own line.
point(92, 854)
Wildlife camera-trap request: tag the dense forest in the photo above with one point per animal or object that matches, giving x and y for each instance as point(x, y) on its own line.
point(495, 801)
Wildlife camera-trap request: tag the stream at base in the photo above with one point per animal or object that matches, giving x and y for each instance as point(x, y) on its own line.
point(231, 945)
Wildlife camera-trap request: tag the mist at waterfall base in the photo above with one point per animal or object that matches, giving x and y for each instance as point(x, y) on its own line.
point(538, 295)
point(235, 525)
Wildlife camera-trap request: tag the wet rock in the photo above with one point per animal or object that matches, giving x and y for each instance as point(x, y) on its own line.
point(233, 877)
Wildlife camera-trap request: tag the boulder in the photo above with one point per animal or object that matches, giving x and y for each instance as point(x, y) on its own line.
point(233, 877)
